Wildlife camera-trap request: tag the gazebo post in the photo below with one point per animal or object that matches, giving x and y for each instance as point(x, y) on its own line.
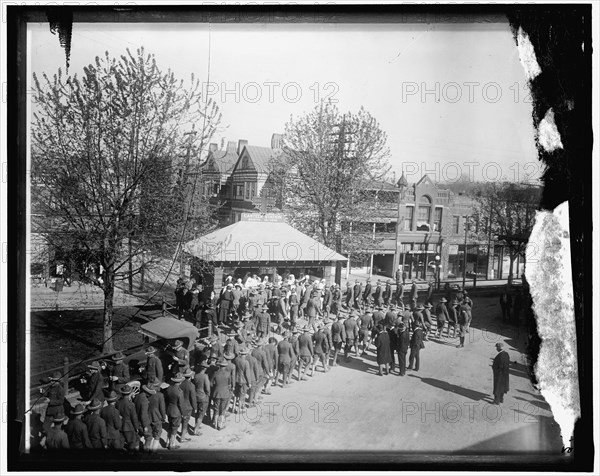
point(327, 273)
point(218, 282)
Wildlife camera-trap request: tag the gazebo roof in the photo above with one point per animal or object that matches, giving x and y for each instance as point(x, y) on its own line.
point(260, 238)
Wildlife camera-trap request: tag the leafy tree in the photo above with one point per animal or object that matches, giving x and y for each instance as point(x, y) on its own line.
point(112, 151)
point(506, 212)
point(328, 162)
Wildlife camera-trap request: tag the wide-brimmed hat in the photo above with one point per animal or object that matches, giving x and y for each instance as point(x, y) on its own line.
point(428, 305)
point(178, 343)
point(112, 396)
point(148, 390)
point(420, 307)
point(56, 376)
point(243, 351)
point(296, 331)
point(400, 324)
point(443, 300)
point(78, 410)
point(126, 390)
point(59, 418)
point(204, 364)
point(178, 377)
point(229, 356)
point(222, 363)
point(150, 350)
point(118, 356)
point(265, 307)
point(188, 373)
point(95, 404)
point(95, 365)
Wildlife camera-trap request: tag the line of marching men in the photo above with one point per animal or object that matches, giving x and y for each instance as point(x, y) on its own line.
point(229, 373)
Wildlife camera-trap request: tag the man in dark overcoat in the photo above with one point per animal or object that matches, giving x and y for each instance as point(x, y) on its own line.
point(500, 368)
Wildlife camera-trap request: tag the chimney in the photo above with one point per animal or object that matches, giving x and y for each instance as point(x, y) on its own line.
point(231, 145)
point(213, 147)
point(241, 144)
point(276, 141)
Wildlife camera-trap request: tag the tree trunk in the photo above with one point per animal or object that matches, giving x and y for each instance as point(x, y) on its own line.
point(510, 267)
point(109, 293)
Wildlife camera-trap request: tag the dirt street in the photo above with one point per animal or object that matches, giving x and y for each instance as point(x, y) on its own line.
point(444, 407)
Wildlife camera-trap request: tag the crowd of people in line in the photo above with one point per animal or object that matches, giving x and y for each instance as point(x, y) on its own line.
point(264, 335)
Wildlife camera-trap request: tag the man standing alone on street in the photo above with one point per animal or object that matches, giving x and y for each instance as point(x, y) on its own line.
point(500, 368)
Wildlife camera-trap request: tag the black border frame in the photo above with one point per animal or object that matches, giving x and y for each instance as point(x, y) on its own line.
point(581, 240)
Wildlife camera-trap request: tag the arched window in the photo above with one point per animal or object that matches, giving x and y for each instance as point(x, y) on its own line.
point(424, 214)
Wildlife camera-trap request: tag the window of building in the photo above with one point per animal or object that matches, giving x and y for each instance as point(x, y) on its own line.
point(239, 191)
point(380, 227)
point(437, 221)
point(408, 218)
point(391, 227)
point(456, 224)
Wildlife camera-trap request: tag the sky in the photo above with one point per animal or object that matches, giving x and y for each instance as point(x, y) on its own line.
point(452, 98)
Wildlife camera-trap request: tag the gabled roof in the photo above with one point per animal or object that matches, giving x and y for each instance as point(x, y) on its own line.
point(252, 240)
point(261, 157)
point(223, 160)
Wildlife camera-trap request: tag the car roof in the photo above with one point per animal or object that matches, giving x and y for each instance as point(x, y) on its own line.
point(170, 328)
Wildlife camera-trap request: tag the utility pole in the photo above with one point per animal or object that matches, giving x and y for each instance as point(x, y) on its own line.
point(343, 151)
point(184, 178)
point(465, 255)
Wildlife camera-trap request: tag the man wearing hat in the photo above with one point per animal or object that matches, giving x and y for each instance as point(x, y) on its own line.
point(321, 350)
point(500, 369)
point(174, 403)
point(390, 317)
point(336, 298)
point(416, 344)
point(181, 357)
point(76, 430)
point(285, 354)
point(96, 426)
point(399, 289)
point(154, 368)
point(55, 396)
point(463, 321)
point(264, 369)
point(142, 410)
point(243, 379)
point(357, 293)
point(282, 310)
point(188, 404)
point(349, 294)
point(430, 286)
point(452, 318)
point(264, 322)
point(351, 330)
point(427, 321)
point(156, 412)
point(119, 374)
point(313, 309)
point(367, 293)
point(382, 343)
point(387, 293)
point(441, 312)
point(365, 328)
point(236, 294)
point(417, 317)
point(255, 375)
point(221, 385)
point(114, 422)
point(378, 294)
point(270, 350)
point(414, 294)
point(403, 345)
point(305, 352)
point(131, 425)
point(293, 303)
point(338, 337)
point(202, 385)
point(327, 300)
point(95, 382)
point(378, 317)
point(224, 304)
point(56, 438)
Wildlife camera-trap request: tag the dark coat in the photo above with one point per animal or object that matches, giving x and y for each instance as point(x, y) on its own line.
point(500, 368)
point(338, 332)
point(285, 352)
point(349, 295)
point(154, 368)
point(305, 345)
point(57, 439)
point(95, 385)
point(221, 384)
point(174, 400)
point(367, 293)
point(313, 307)
point(264, 321)
point(77, 432)
point(113, 420)
point(320, 341)
point(441, 312)
point(96, 430)
point(188, 403)
point(351, 328)
point(404, 341)
point(416, 341)
point(382, 342)
point(243, 375)
point(141, 409)
point(129, 415)
point(414, 292)
point(156, 407)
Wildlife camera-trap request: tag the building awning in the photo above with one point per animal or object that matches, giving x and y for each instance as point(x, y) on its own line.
point(260, 238)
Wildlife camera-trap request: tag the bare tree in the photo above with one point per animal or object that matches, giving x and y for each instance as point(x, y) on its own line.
point(506, 212)
point(111, 153)
point(327, 162)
